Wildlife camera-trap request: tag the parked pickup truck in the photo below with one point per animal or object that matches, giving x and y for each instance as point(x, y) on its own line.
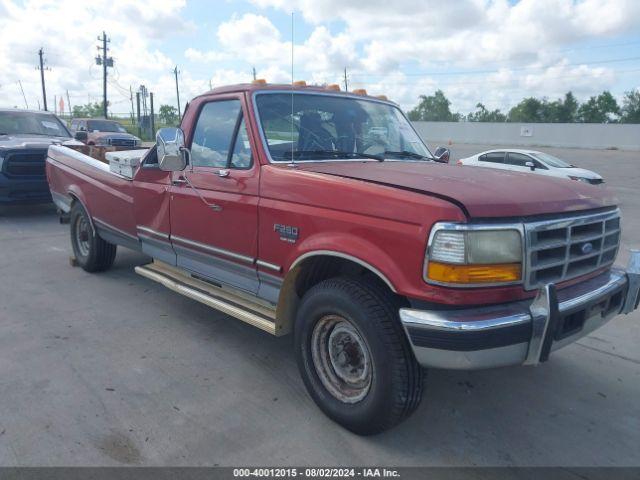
point(321, 213)
point(25, 136)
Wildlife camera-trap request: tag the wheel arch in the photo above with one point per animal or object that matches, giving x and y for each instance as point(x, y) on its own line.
point(313, 267)
point(76, 196)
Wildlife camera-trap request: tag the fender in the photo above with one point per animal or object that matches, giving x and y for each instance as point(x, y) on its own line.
point(354, 248)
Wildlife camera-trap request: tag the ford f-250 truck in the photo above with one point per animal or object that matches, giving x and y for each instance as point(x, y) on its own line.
point(322, 213)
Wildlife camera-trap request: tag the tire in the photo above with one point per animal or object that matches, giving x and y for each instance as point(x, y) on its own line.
point(92, 253)
point(342, 326)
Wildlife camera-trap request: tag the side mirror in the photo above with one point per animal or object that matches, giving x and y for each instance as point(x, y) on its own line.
point(81, 136)
point(172, 154)
point(442, 155)
point(531, 165)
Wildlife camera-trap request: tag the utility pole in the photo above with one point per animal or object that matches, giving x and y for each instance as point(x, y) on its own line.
point(175, 73)
point(26, 105)
point(44, 91)
point(69, 104)
point(105, 62)
point(153, 121)
point(253, 70)
point(138, 113)
point(55, 104)
point(132, 109)
point(346, 81)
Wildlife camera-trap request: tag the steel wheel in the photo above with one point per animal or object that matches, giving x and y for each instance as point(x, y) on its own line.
point(341, 358)
point(83, 235)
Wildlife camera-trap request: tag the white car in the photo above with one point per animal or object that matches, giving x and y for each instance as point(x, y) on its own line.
point(531, 161)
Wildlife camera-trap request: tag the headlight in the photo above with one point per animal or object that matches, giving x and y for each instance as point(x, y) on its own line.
point(465, 255)
point(580, 179)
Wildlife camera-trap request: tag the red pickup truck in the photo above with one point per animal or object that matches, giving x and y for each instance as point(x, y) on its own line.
point(322, 213)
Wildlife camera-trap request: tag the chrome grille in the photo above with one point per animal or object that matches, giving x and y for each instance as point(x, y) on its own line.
point(566, 248)
point(122, 142)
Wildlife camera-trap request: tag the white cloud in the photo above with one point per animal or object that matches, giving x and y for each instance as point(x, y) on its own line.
point(208, 56)
point(68, 31)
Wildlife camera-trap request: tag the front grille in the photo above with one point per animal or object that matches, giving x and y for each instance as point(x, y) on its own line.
point(25, 163)
point(567, 248)
point(122, 142)
point(596, 181)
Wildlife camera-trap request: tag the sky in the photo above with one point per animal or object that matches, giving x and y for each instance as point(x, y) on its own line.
point(490, 51)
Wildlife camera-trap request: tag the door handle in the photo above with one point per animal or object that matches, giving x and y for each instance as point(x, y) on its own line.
point(224, 172)
point(179, 181)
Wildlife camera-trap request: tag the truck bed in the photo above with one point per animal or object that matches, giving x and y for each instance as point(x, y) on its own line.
point(107, 196)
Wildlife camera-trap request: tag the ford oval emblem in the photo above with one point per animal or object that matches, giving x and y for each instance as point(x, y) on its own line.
point(586, 248)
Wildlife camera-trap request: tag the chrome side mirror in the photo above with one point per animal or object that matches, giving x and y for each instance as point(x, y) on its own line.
point(531, 165)
point(442, 154)
point(172, 154)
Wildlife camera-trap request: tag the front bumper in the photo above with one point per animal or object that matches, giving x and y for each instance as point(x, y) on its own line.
point(521, 332)
point(15, 190)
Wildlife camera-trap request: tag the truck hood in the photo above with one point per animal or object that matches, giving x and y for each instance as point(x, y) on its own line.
point(33, 141)
point(481, 192)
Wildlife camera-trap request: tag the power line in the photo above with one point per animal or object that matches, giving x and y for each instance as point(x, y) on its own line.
point(23, 95)
point(480, 72)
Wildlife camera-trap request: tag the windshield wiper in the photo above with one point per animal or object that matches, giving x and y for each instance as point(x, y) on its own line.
point(337, 153)
point(407, 153)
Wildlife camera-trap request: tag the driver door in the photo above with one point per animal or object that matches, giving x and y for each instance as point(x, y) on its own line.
point(214, 202)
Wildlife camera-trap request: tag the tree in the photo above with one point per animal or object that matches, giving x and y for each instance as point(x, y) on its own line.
point(168, 114)
point(89, 110)
point(434, 108)
point(528, 110)
point(600, 109)
point(484, 115)
point(567, 109)
point(631, 107)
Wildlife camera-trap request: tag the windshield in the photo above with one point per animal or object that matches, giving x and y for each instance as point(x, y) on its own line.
point(31, 123)
point(104, 126)
point(326, 127)
point(551, 160)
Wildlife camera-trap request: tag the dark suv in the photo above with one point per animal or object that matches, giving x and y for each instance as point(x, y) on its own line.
point(25, 137)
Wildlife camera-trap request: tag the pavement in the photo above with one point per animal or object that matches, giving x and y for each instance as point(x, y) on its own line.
point(113, 369)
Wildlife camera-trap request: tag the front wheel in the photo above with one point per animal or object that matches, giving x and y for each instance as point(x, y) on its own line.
point(92, 253)
point(354, 357)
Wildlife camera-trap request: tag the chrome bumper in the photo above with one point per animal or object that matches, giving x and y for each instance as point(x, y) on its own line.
point(521, 332)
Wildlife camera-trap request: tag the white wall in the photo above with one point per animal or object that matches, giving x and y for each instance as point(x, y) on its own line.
point(573, 135)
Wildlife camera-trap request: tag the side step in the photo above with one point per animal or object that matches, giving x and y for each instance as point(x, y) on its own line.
point(240, 305)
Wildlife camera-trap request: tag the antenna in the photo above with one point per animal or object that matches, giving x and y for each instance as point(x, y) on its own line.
point(293, 162)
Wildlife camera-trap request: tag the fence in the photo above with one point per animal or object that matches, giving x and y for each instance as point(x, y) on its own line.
point(571, 135)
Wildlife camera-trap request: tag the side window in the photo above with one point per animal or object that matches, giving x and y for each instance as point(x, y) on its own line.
point(213, 133)
point(539, 165)
point(492, 157)
point(518, 159)
point(241, 157)
point(74, 125)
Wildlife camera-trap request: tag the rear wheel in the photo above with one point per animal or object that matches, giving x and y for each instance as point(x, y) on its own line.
point(92, 253)
point(354, 357)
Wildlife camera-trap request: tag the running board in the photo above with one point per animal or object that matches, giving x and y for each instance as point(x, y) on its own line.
point(240, 305)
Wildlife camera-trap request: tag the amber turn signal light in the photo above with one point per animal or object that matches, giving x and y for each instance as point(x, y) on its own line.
point(471, 274)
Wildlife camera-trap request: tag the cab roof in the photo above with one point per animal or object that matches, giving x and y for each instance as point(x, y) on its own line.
point(266, 87)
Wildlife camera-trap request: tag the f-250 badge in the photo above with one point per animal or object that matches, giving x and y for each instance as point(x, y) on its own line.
point(287, 232)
